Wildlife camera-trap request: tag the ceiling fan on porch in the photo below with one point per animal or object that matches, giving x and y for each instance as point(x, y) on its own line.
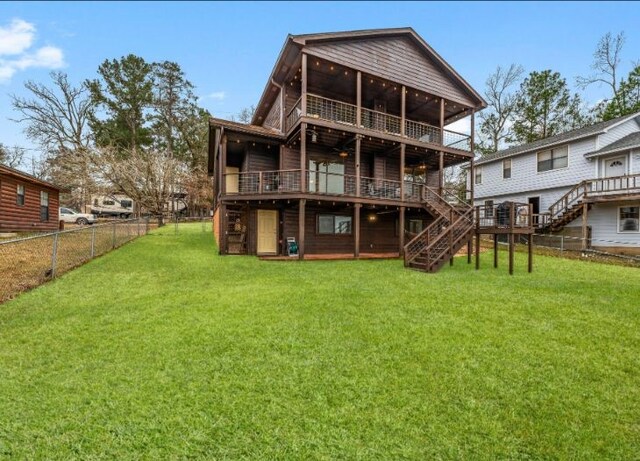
point(344, 150)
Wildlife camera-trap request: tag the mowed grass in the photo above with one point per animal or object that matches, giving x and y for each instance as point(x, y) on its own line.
point(164, 350)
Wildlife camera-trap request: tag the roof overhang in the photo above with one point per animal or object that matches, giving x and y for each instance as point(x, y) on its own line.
point(21, 175)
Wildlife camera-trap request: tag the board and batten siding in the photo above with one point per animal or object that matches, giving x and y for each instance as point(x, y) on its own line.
point(397, 59)
point(525, 177)
point(618, 132)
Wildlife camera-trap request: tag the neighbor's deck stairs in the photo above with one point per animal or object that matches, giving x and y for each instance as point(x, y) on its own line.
point(442, 239)
point(568, 208)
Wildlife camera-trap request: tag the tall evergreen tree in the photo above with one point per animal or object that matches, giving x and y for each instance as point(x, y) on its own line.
point(124, 92)
point(545, 107)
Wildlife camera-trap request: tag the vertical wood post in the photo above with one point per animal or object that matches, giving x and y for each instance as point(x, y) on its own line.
point(401, 229)
point(469, 243)
point(356, 225)
point(440, 173)
point(584, 226)
point(303, 85)
point(359, 99)
point(450, 231)
point(403, 148)
point(357, 159)
point(530, 253)
point(403, 111)
point(93, 239)
point(511, 245)
point(477, 251)
point(301, 222)
point(473, 154)
point(442, 121)
point(222, 223)
point(223, 165)
point(283, 111)
point(495, 250)
point(303, 157)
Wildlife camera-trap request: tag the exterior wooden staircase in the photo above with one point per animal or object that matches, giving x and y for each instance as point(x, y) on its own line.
point(442, 239)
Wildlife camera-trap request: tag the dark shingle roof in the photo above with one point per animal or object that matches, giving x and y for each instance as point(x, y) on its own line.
point(572, 135)
point(628, 142)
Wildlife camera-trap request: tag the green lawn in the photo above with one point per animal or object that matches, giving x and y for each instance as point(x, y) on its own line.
point(163, 350)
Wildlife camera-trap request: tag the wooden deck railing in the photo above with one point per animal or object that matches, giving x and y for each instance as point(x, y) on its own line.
point(345, 113)
point(505, 215)
point(262, 182)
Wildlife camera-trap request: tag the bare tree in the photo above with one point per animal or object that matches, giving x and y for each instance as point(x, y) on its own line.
point(494, 122)
point(145, 175)
point(606, 61)
point(245, 115)
point(11, 156)
point(57, 119)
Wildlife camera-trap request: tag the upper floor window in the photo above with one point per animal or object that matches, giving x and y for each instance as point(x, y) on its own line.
point(20, 195)
point(478, 175)
point(44, 206)
point(506, 169)
point(553, 159)
point(629, 219)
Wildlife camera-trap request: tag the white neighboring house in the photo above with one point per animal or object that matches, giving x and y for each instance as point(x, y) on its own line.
point(594, 169)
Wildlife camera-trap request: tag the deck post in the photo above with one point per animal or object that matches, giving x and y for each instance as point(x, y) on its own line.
point(403, 111)
point(451, 238)
point(403, 148)
point(301, 221)
point(511, 245)
point(303, 157)
point(530, 253)
point(222, 222)
point(442, 121)
point(473, 154)
point(440, 173)
point(401, 229)
point(356, 225)
point(585, 228)
point(303, 85)
point(223, 165)
point(477, 250)
point(359, 99)
point(357, 160)
point(469, 243)
point(495, 251)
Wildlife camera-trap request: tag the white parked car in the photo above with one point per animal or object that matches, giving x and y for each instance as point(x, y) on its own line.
point(72, 216)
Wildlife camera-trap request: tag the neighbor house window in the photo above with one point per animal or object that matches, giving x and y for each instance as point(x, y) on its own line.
point(44, 206)
point(20, 195)
point(629, 219)
point(478, 175)
point(506, 169)
point(553, 159)
point(334, 224)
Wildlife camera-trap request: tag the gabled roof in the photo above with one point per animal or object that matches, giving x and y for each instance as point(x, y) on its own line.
point(630, 141)
point(255, 130)
point(294, 44)
point(573, 135)
point(28, 177)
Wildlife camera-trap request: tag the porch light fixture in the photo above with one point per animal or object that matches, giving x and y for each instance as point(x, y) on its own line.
point(343, 154)
point(372, 217)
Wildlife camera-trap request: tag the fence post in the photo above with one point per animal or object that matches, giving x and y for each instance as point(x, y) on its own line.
point(562, 243)
point(93, 242)
point(54, 255)
point(113, 239)
point(146, 227)
point(138, 222)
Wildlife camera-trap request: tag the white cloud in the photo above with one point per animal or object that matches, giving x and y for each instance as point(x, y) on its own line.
point(17, 37)
point(16, 41)
point(217, 95)
point(461, 126)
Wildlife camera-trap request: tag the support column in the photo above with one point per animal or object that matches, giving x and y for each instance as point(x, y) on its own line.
point(473, 155)
point(359, 99)
point(401, 230)
point(495, 250)
point(530, 253)
point(303, 85)
point(303, 157)
point(441, 173)
point(223, 165)
point(477, 251)
point(511, 245)
point(357, 160)
point(585, 228)
point(442, 121)
point(403, 111)
point(403, 149)
point(356, 228)
point(301, 222)
point(469, 243)
point(222, 222)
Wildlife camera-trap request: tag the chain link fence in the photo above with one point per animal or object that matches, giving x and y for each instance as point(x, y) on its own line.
point(204, 221)
point(27, 262)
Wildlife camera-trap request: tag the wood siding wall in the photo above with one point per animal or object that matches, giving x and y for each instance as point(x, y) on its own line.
point(395, 58)
point(272, 120)
point(25, 218)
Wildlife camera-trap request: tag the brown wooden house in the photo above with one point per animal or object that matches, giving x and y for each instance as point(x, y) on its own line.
point(346, 151)
point(27, 204)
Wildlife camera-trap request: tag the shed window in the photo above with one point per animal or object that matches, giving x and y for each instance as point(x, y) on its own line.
point(20, 195)
point(553, 159)
point(629, 219)
point(478, 175)
point(44, 206)
point(334, 224)
point(506, 169)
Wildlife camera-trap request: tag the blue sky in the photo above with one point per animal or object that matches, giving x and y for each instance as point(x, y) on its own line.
point(228, 49)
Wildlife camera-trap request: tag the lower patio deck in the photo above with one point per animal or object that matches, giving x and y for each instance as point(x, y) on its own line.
point(333, 256)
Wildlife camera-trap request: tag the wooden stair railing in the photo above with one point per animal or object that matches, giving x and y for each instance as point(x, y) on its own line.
point(441, 240)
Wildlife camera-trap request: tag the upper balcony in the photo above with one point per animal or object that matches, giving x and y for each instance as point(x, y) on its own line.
point(331, 110)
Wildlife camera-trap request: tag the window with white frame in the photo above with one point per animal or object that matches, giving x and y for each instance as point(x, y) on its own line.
point(506, 169)
point(477, 171)
point(553, 159)
point(629, 219)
